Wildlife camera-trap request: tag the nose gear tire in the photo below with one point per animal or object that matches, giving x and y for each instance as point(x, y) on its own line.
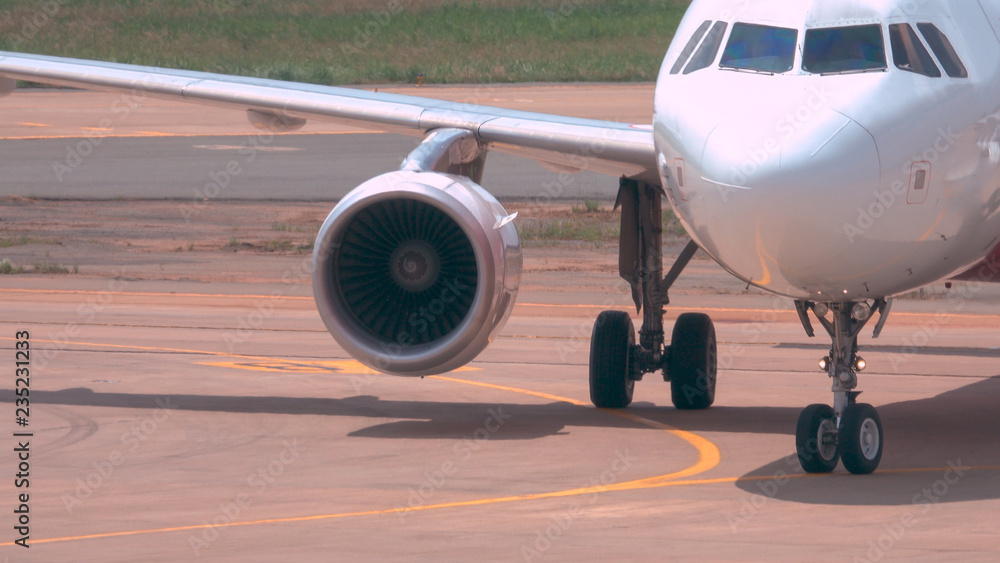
point(815, 439)
point(860, 438)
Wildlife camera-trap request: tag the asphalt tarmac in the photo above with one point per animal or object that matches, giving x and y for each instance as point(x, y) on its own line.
point(213, 420)
point(61, 145)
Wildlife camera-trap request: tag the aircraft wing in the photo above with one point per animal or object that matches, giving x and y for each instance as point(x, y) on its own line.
point(557, 142)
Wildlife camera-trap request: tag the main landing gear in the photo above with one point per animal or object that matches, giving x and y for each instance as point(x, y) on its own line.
point(616, 361)
point(849, 431)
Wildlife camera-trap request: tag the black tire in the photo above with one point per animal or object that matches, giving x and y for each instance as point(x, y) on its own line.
point(692, 367)
point(611, 383)
point(860, 438)
point(815, 454)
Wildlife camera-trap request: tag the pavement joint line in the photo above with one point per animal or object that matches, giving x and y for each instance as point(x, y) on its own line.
point(293, 358)
point(151, 349)
point(149, 294)
point(928, 350)
point(289, 359)
point(931, 351)
point(178, 327)
point(544, 305)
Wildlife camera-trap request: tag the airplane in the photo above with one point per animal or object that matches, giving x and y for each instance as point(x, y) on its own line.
point(835, 153)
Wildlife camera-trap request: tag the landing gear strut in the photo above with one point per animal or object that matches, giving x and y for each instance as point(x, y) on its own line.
point(616, 361)
point(850, 431)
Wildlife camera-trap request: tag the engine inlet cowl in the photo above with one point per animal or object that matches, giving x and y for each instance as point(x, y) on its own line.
point(416, 272)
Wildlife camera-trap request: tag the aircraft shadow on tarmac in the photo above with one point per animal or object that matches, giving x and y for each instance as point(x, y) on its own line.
point(406, 419)
point(958, 428)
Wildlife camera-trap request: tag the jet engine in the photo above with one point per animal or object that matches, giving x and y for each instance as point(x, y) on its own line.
point(416, 272)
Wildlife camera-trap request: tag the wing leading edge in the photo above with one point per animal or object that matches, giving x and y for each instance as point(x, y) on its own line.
point(563, 143)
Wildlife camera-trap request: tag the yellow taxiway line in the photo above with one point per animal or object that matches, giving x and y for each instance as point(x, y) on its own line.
point(708, 457)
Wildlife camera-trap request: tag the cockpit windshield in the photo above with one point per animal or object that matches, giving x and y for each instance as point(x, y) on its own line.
point(760, 48)
point(839, 50)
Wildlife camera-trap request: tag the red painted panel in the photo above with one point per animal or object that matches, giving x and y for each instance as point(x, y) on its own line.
point(988, 270)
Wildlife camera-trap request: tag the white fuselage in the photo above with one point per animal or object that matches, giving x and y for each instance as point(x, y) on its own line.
point(836, 186)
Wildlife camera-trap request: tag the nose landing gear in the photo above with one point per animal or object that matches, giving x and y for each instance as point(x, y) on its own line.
point(850, 431)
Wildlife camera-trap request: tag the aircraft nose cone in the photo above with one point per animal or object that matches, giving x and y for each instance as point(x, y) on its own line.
point(781, 191)
point(781, 152)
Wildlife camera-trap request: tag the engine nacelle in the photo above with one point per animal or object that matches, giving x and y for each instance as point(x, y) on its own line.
point(416, 272)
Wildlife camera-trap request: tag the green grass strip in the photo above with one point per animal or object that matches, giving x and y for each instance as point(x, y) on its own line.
point(355, 42)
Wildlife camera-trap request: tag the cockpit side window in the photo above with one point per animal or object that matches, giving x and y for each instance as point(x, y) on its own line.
point(760, 48)
point(909, 53)
point(689, 48)
point(838, 50)
point(709, 48)
point(941, 46)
